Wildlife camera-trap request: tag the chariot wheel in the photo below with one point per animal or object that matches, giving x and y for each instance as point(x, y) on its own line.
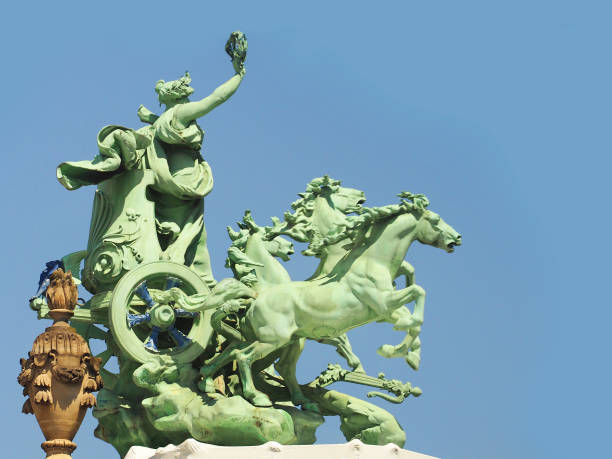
point(143, 328)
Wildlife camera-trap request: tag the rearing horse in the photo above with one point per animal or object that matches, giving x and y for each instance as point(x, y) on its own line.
point(252, 258)
point(325, 205)
point(357, 291)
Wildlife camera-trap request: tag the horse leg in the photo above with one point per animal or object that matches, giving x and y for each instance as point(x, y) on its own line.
point(386, 302)
point(406, 270)
point(398, 298)
point(208, 371)
point(410, 347)
point(286, 367)
point(245, 358)
point(343, 347)
point(388, 306)
point(414, 356)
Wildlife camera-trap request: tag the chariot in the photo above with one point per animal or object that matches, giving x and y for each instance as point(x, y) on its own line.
point(131, 256)
point(147, 230)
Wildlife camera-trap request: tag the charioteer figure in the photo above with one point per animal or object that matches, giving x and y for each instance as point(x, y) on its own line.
point(166, 158)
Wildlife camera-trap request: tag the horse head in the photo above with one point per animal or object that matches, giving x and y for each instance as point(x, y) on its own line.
point(434, 231)
point(253, 251)
point(340, 198)
point(347, 200)
point(322, 206)
point(280, 247)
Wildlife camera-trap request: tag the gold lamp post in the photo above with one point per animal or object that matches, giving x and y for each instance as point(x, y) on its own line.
point(60, 373)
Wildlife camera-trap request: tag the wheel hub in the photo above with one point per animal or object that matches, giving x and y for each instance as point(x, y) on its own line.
point(162, 315)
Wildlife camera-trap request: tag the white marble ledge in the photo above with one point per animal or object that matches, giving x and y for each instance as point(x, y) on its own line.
point(192, 449)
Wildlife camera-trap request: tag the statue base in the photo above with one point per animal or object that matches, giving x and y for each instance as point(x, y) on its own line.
point(193, 449)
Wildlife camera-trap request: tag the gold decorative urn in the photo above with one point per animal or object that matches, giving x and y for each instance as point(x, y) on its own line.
point(60, 373)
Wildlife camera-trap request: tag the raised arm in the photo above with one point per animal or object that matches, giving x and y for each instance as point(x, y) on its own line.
point(186, 113)
point(236, 48)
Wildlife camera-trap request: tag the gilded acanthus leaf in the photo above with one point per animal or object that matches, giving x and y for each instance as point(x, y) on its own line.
point(43, 396)
point(43, 380)
point(88, 399)
point(27, 407)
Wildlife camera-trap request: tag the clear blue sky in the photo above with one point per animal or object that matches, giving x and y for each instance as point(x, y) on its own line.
point(499, 111)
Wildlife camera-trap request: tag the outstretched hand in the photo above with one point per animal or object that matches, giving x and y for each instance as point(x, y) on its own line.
point(236, 47)
point(239, 66)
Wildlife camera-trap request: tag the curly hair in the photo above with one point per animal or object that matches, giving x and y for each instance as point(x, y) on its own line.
point(173, 90)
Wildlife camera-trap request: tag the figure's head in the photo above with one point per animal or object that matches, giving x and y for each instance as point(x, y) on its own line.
point(173, 91)
point(348, 200)
point(432, 230)
point(280, 247)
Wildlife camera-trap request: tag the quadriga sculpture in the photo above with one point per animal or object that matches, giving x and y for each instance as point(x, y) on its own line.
point(160, 311)
point(358, 290)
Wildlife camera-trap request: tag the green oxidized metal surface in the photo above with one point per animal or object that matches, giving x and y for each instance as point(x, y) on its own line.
point(215, 360)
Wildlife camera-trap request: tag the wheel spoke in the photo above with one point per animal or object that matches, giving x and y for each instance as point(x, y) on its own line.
point(172, 282)
point(135, 319)
point(153, 340)
point(143, 293)
point(178, 336)
point(178, 312)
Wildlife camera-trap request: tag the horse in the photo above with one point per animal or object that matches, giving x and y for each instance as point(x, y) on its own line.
point(324, 205)
point(321, 207)
point(252, 255)
point(253, 260)
point(358, 290)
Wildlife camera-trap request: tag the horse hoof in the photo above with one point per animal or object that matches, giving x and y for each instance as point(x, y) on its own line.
point(386, 351)
point(403, 324)
point(261, 400)
point(413, 360)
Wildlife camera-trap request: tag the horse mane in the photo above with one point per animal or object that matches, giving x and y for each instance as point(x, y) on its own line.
point(236, 258)
point(313, 190)
point(298, 225)
point(355, 226)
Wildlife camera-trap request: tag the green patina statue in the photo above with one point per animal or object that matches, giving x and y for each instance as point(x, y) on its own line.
point(162, 159)
point(216, 361)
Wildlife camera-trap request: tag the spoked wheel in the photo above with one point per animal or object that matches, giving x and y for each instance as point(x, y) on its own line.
point(144, 328)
